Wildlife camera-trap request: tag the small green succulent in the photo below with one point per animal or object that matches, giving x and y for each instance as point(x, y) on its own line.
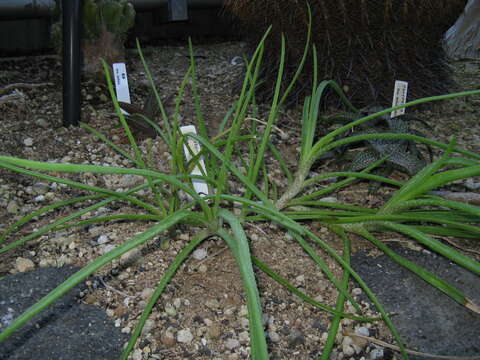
point(402, 154)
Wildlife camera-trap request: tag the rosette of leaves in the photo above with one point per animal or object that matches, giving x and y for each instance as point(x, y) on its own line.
point(400, 154)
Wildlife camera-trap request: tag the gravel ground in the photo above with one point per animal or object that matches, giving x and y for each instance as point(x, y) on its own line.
point(202, 314)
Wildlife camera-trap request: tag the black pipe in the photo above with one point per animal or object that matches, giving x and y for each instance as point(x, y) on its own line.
point(71, 61)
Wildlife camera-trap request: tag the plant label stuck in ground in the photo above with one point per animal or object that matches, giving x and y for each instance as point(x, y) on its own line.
point(192, 148)
point(121, 83)
point(399, 97)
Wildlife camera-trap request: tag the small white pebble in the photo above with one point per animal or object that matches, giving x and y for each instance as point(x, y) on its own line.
point(184, 336)
point(232, 344)
point(356, 291)
point(137, 355)
point(102, 239)
point(200, 254)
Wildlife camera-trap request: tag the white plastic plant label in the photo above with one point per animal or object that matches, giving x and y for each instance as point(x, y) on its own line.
point(399, 97)
point(192, 148)
point(121, 83)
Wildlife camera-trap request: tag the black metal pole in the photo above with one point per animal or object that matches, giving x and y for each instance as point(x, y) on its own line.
point(71, 61)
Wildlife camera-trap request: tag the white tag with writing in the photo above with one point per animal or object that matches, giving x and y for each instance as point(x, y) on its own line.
point(193, 149)
point(121, 83)
point(399, 97)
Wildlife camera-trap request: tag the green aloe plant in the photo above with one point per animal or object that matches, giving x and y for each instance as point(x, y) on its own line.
point(400, 154)
point(407, 212)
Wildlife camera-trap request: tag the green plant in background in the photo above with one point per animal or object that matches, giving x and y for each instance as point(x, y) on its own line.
point(401, 154)
point(105, 24)
point(114, 16)
point(407, 212)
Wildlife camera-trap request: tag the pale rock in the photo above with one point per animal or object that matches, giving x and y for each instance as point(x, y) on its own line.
point(375, 354)
point(149, 325)
point(184, 336)
point(356, 291)
point(131, 257)
point(244, 337)
point(184, 237)
point(243, 311)
point(200, 254)
point(358, 342)
point(95, 231)
point(244, 322)
point(177, 302)
point(102, 239)
point(49, 195)
point(363, 331)
point(44, 263)
point(147, 293)
point(40, 188)
point(274, 337)
point(13, 207)
point(23, 264)
point(300, 279)
point(108, 248)
point(137, 355)
point(329, 199)
point(212, 304)
point(232, 344)
point(214, 331)
point(28, 141)
point(42, 123)
point(170, 310)
point(347, 346)
point(130, 180)
point(324, 337)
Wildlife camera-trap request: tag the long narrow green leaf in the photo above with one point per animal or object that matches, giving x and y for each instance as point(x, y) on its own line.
point(96, 189)
point(470, 209)
point(282, 281)
point(424, 274)
point(311, 252)
point(281, 161)
point(334, 324)
point(437, 246)
point(44, 210)
point(243, 103)
point(228, 165)
point(241, 250)
point(270, 212)
point(5, 161)
point(172, 269)
point(91, 268)
point(254, 169)
point(320, 145)
point(131, 138)
point(165, 120)
point(441, 231)
point(107, 141)
point(328, 249)
point(56, 224)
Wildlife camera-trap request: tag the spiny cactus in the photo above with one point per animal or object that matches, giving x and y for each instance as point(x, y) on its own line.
point(362, 45)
